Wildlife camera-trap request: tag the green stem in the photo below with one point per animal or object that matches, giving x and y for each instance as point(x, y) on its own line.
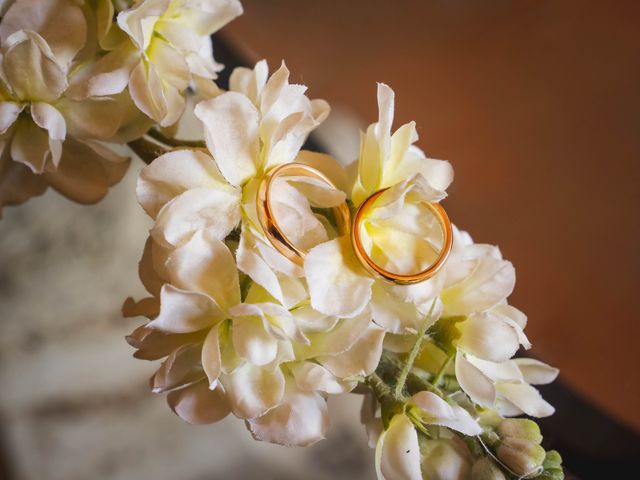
point(174, 142)
point(443, 368)
point(414, 351)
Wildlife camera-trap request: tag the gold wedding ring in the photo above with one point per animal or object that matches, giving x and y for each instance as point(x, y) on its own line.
point(282, 244)
point(268, 221)
point(386, 275)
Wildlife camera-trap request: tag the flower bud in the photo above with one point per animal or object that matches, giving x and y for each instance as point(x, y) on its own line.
point(486, 469)
point(520, 428)
point(521, 455)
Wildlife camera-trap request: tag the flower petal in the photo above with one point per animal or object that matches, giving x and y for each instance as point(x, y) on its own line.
point(398, 451)
point(60, 22)
point(294, 215)
point(83, 174)
point(250, 82)
point(253, 390)
point(31, 69)
point(446, 459)
point(181, 368)
point(152, 344)
point(147, 92)
point(17, 182)
point(231, 132)
point(252, 342)
point(206, 265)
point(182, 311)
point(361, 359)
point(106, 75)
point(474, 383)
point(487, 336)
point(439, 412)
point(252, 263)
point(536, 372)
point(9, 112)
point(95, 118)
point(300, 420)
point(32, 147)
point(200, 209)
point(311, 377)
point(138, 21)
point(50, 119)
point(439, 173)
point(392, 313)
point(171, 65)
point(375, 145)
point(491, 281)
point(335, 341)
point(338, 285)
point(173, 173)
point(198, 405)
point(211, 357)
point(526, 398)
point(327, 165)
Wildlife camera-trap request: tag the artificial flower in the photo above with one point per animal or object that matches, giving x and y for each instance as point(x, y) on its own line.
point(402, 454)
point(266, 363)
point(166, 47)
point(400, 233)
point(260, 123)
point(41, 127)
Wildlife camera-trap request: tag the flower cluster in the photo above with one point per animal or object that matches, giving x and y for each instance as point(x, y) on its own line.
point(247, 331)
point(74, 83)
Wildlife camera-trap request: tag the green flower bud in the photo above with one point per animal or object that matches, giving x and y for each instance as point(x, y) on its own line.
point(521, 455)
point(486, 469)
point(520, 428)
point(552, 467)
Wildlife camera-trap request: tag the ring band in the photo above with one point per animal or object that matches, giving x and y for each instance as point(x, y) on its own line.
point(391, 277)
point(269, 224)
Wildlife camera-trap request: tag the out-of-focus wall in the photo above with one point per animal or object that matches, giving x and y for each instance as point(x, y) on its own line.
point(537, 105)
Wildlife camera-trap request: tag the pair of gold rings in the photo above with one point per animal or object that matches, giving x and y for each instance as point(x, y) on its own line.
point(343, 222)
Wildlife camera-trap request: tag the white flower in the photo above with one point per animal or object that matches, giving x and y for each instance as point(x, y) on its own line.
point(400, 233)
point(506, 385)
point(474, 302)
point(433, 410)
point(41, 127)
point(259, 124)
point(401, 455)
point(387, 160)
point(166, 48)
point(268, 364)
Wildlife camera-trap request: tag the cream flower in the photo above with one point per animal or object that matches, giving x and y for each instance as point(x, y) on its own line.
point(400, 233)
point(506, 385)
point(486, 332)
point(387, 160)
point(262, 122)
point(265, 363)
point(400, 454)
point(41, 127)
point(166, 47)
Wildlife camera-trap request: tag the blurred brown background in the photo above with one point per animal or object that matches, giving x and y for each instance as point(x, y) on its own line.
point(537, 105)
